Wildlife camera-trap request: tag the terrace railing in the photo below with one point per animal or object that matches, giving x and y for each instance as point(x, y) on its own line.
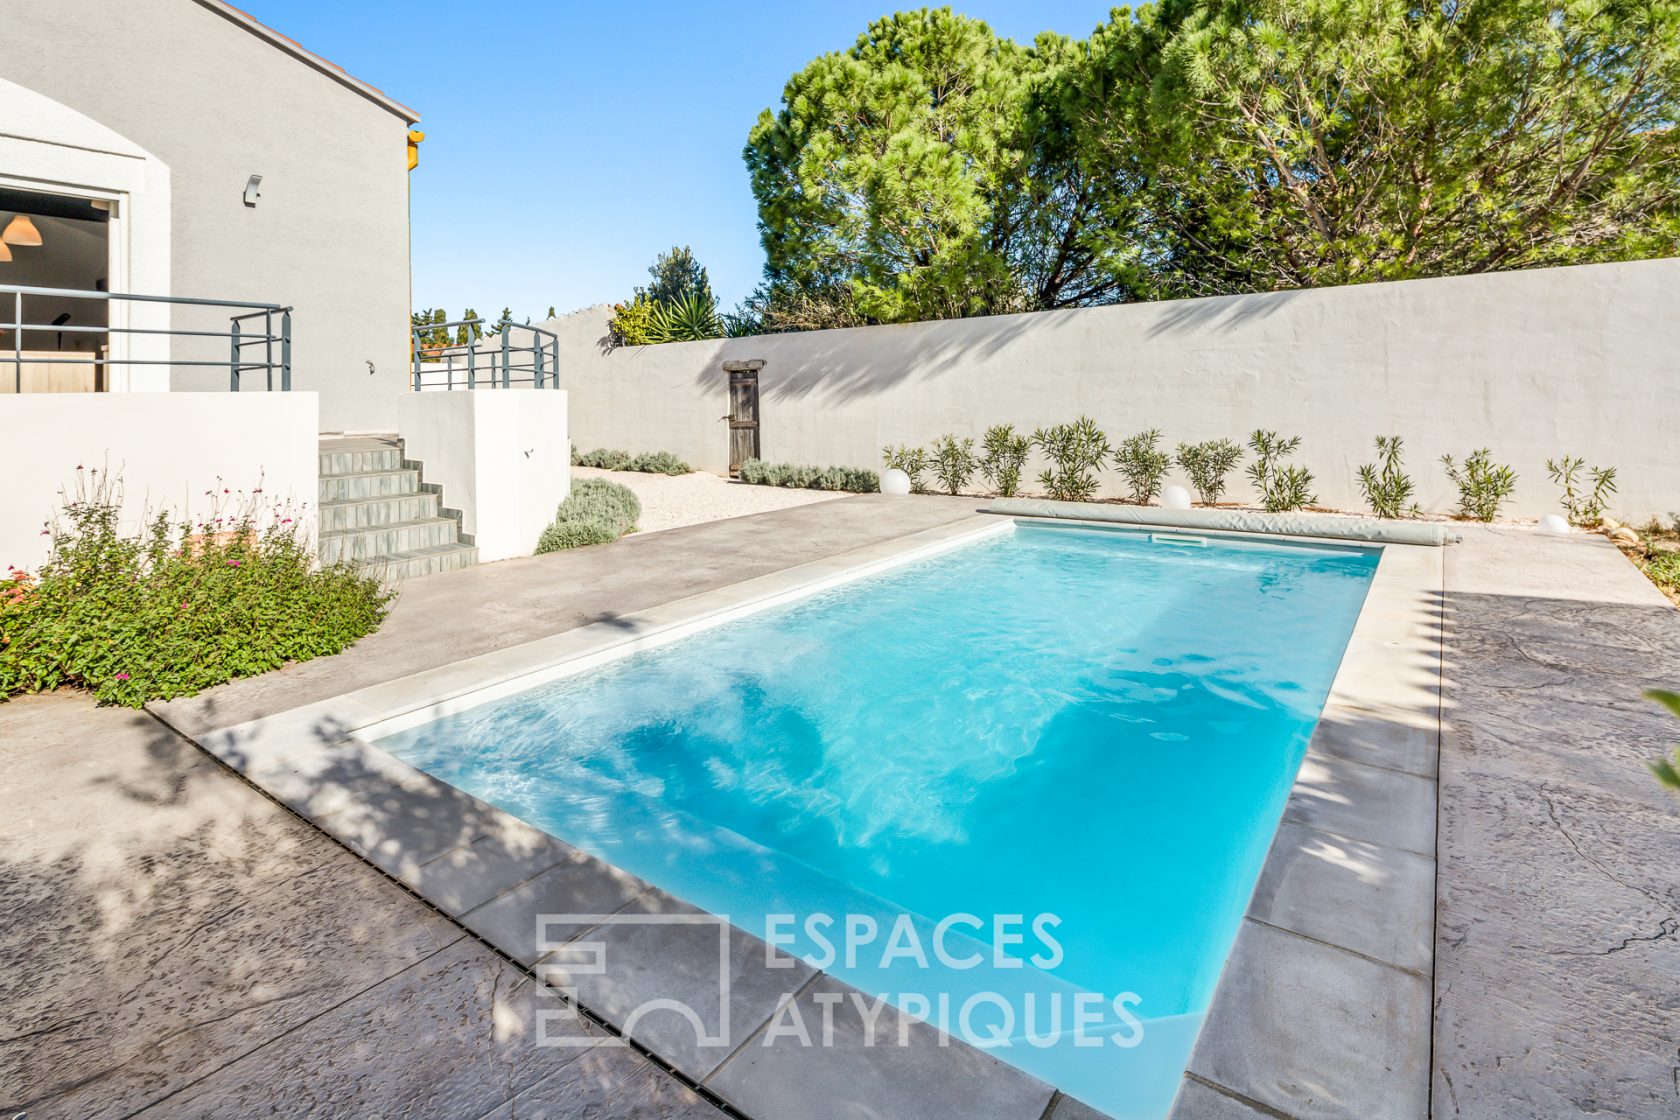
point(258, 337)
point(522, 355)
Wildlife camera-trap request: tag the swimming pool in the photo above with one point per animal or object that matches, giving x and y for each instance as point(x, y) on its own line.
point(1095, 726)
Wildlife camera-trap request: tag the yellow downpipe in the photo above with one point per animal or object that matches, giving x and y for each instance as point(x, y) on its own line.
point(415, 136)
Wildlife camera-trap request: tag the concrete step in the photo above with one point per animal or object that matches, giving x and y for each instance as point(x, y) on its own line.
point(425, 561)
point(369, 484)
point(367, 546)
point(358, 461)
point(365, 513)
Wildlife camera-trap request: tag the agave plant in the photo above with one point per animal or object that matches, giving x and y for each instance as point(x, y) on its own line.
point(688, 319)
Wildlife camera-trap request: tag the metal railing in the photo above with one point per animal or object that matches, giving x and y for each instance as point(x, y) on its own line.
point(274, 336)
point(498, 363)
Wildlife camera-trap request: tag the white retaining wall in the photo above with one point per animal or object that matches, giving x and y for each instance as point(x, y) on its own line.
point(1533, 364)
point(169, 448)
point(502, 458)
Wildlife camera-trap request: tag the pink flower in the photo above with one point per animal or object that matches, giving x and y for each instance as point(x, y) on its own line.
point(233, 563)
point(122, 676)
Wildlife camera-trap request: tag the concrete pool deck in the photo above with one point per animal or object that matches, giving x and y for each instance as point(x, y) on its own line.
point(1521, 980)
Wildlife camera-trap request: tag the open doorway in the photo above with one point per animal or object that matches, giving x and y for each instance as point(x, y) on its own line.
point(63, 242)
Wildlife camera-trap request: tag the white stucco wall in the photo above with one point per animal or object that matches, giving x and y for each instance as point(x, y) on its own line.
point(502, 457)
point(168, 448)
point(1535, 364)
point(211, 102)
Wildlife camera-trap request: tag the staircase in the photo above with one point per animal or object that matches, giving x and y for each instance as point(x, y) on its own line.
point(377, 513)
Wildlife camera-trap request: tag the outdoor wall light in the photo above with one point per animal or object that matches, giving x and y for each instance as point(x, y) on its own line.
point(21, 231)
point(251, 191)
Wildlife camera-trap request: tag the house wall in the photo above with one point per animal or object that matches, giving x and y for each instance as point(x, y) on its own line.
point(1534, 364)
point(211, 103)
point(168, 448)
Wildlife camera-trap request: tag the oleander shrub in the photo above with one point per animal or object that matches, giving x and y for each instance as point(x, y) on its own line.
point(1076, 452)
point(1207, 464)
point(858, 480)
point(953, 462)
point(595, 512)
point(1483, 485)
point(1386, 485)
point(1003, 454)
point(1281, 487)
point(178, 606)
point(1584, 504)
point(913, 461)
point(1143, 465)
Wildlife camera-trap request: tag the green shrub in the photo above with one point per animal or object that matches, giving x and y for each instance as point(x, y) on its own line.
point(913, 461)
point(595, 512)
point(689, 318)
point(604, 459)
point(1585, 509)
point(1667, 772)
point(1483, 485)
point(1076, 451)
point(659, 462)
point(1387, 487)
point(175, 608)
point(1281, 488)
point(632, 322)
point(859, 480)
point(1003, 455)
point(953, 462)
point(1207, 463)
point(1143, 465)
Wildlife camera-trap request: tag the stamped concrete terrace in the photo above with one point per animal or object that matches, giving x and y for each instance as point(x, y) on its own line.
point(150, 851)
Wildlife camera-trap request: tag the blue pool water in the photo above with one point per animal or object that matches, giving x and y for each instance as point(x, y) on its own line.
point(1087, 724)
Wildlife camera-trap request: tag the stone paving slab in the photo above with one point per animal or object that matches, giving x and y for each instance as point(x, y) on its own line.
point(1558, 954)
point(175, 944)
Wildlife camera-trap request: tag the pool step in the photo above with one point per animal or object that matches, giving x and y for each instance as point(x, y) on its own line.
point(378, 512)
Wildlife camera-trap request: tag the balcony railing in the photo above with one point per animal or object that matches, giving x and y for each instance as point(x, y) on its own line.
point(258, 337)
point(523, 355)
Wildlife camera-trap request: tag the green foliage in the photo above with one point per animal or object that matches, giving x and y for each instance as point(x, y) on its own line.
point(1584, 508)
point(1483, 485)
point(913, 461)
point(690, 318)
point(858, 480)
point(1195, 147)
point(648, 462)
point(1385, 484)
point(177, 608)
point(1143, 465)
point(1076, 452)
point(631, 323)
point(953, 462)
point(676, 276)
point(1668, 773)
point(1003, 455)
point(595, 512)
point(1280, 487)
point(1207, 463)
point(905, 178)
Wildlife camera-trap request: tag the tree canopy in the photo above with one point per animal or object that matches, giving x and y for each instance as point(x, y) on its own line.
point(1215, 146)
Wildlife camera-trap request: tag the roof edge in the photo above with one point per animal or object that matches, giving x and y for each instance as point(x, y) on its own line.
point(309, 58)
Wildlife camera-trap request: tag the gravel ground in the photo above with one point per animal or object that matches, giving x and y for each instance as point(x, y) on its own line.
point(672, 501)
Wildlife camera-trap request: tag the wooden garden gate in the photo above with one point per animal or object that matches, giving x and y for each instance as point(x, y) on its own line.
point(743, 413)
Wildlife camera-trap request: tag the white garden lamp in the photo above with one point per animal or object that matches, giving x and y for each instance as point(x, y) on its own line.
point(1554, 524)
point(895, 481)
point(1175, 497)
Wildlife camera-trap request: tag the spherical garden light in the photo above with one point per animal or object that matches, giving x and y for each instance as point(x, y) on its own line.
point(1175, 497)
point(1554, 524)
point(895, 481)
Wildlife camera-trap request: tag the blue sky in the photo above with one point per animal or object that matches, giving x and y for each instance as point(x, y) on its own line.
point(568, 143)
